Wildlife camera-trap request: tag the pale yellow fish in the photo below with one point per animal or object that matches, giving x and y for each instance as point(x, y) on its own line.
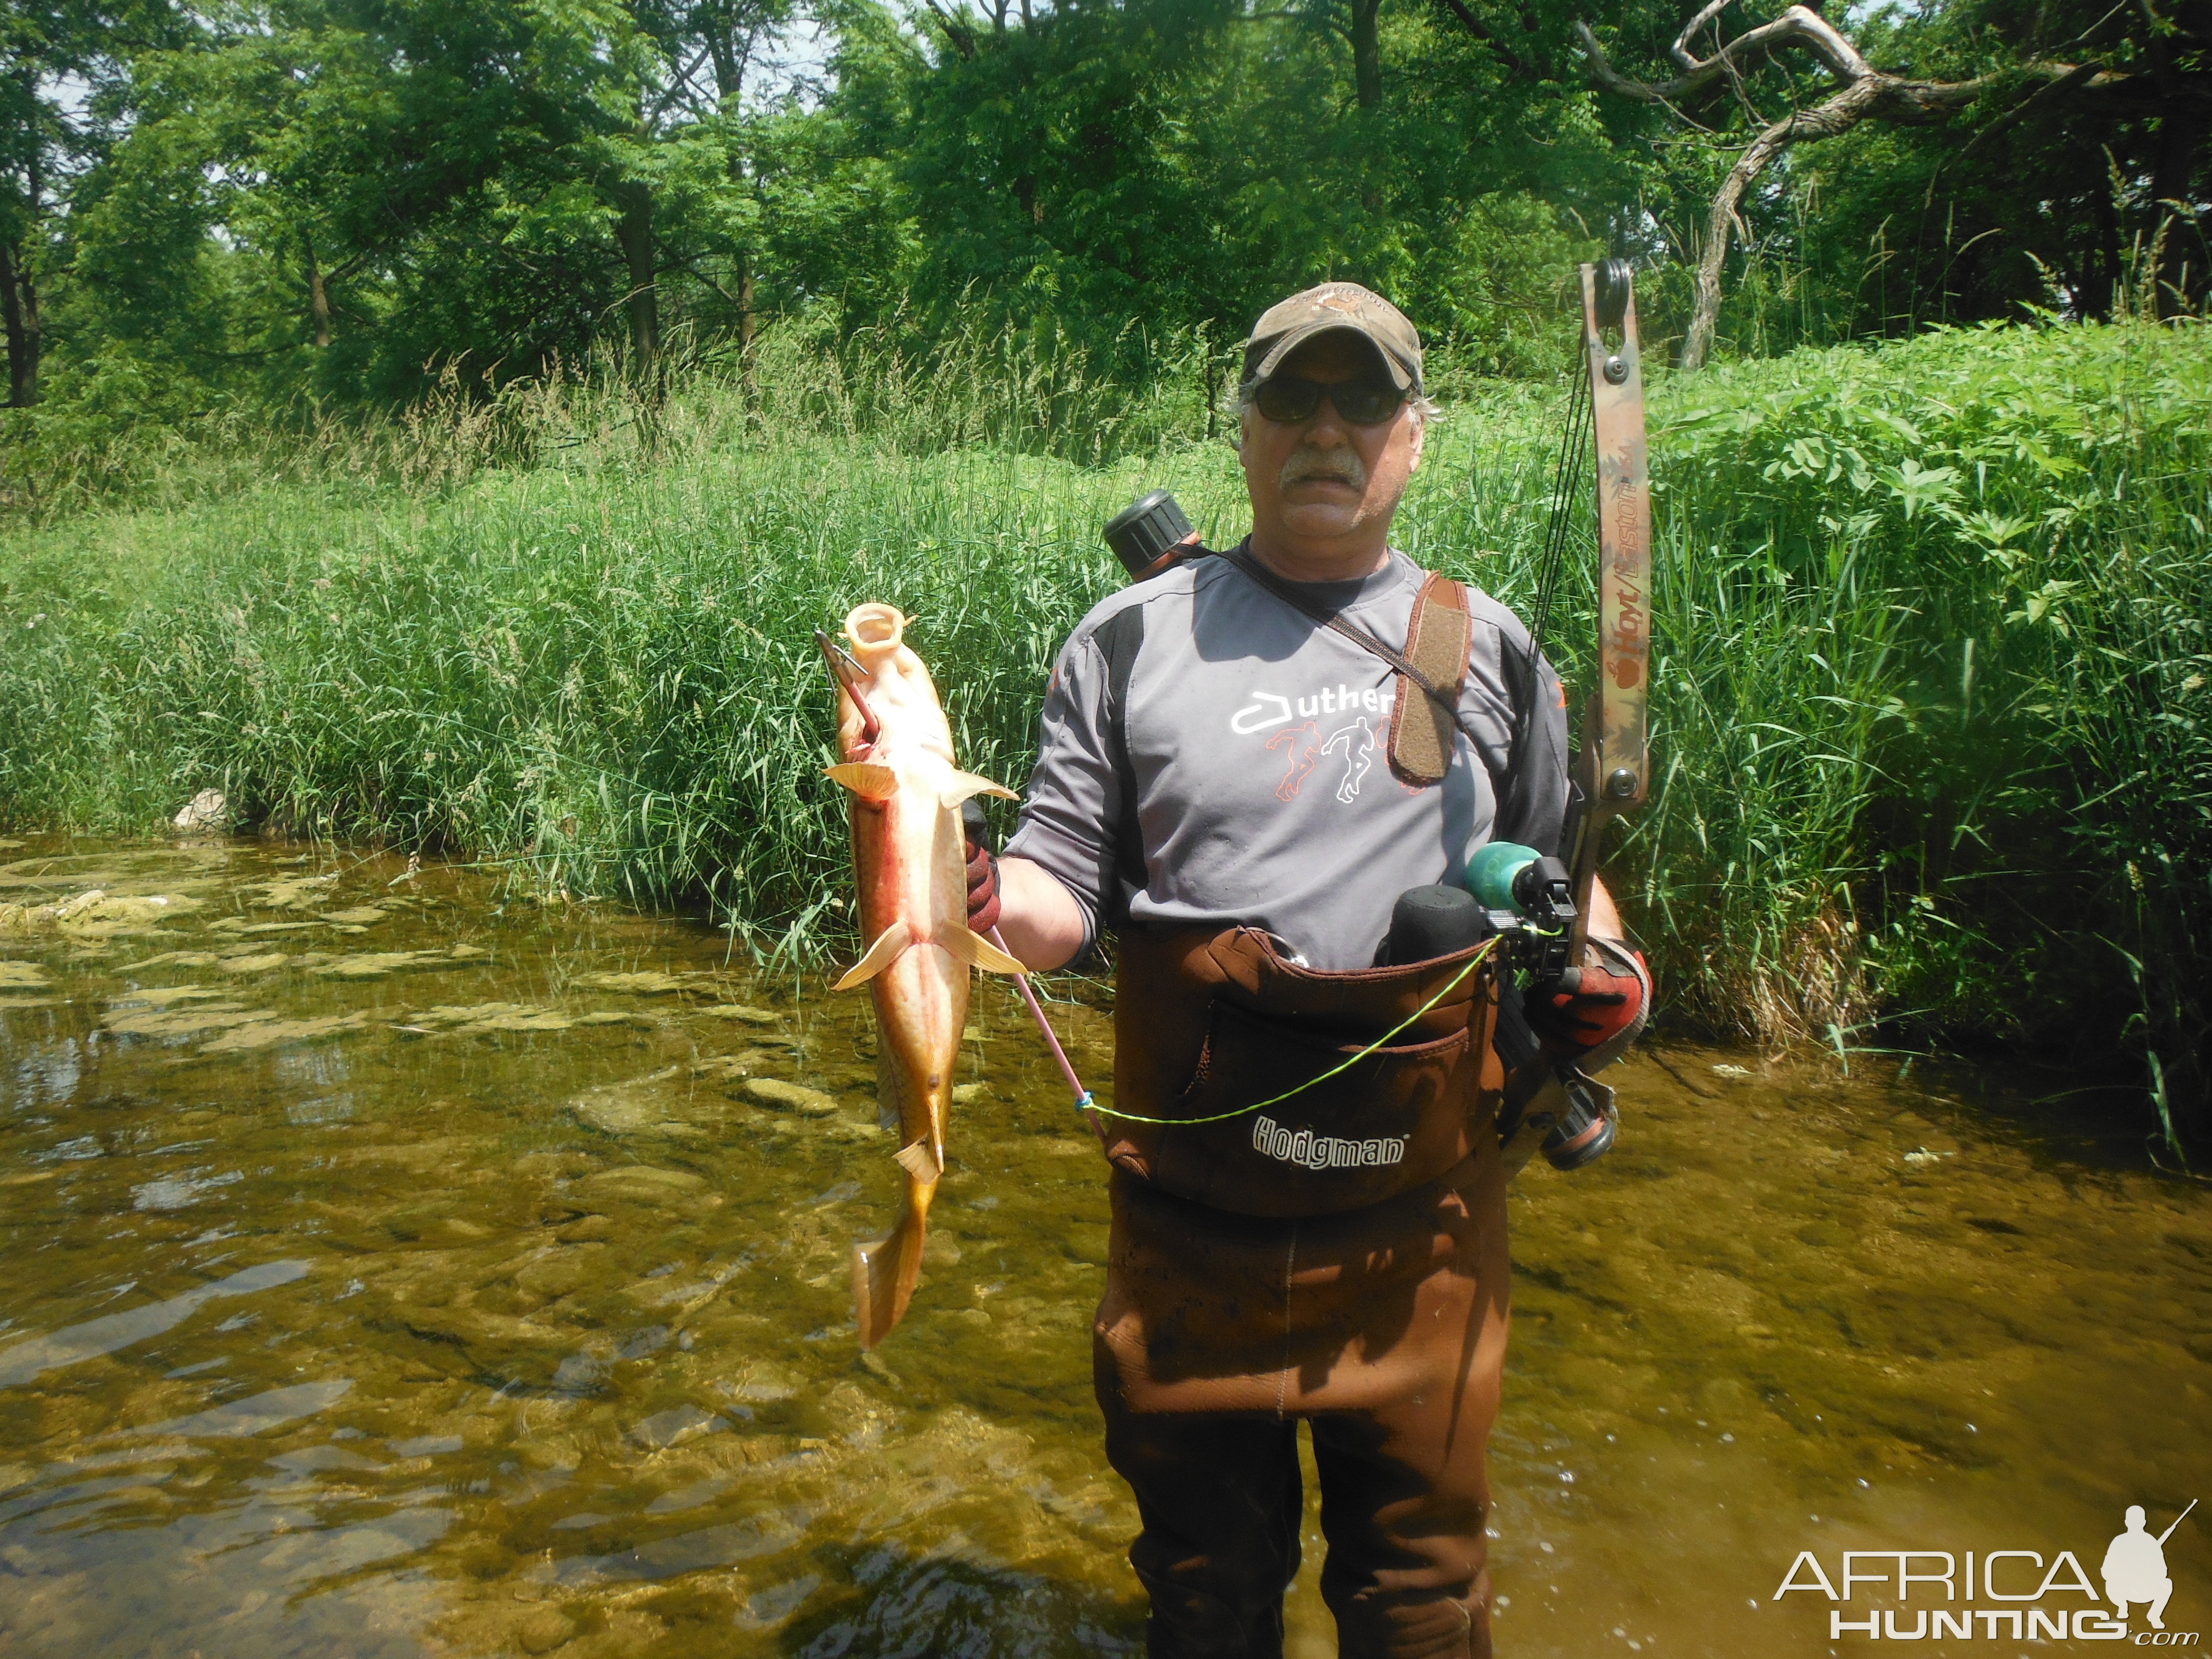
point(909, 860)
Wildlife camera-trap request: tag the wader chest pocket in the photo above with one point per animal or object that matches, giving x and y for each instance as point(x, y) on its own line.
point(1390, 1121)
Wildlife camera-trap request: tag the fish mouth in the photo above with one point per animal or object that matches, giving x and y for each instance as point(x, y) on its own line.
point(875, 630)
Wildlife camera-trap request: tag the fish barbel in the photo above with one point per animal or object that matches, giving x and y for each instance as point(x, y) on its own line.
point(909, 859)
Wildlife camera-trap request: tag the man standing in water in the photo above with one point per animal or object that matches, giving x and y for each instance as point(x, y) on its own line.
point(1245, 792)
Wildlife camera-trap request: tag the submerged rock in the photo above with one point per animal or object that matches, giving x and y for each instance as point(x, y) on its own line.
point(642, 1181)
point(645, 984)
point(764, 1383)
point(740, 1011)
point(295, 892)
point(176, 959)
point(775, 1093)
point(190, 1021)
point(544, 1631)
point(674, 1427)
point(164, 997)
point(614, 1113)
point(267, 1033)
point(96, 914)
point(374, 964)
point(492, 1017)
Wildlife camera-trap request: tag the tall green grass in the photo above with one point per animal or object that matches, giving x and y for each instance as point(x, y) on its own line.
point(1930, 668)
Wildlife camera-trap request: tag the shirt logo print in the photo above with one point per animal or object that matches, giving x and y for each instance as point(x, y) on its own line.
point(1304, 751)
point(1357, 742)
point(1257, 716)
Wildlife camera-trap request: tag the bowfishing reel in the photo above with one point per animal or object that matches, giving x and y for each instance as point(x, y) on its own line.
point(1524, 899)
point(1528, 900)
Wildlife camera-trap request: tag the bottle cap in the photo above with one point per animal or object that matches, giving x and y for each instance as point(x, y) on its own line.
point(1144, 533)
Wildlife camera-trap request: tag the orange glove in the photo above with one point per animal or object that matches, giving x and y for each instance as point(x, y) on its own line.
point(1606, 1007)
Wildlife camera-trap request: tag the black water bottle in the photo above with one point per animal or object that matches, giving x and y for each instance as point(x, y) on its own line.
point(1149, 534)
point(1440, 920)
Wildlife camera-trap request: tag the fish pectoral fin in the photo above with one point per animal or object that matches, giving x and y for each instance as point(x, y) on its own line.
point(972, 948)
point(961, 785)
point(890, 944)
point(920, 1163)
point(865, 779)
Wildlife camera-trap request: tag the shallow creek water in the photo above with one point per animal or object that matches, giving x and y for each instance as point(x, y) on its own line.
point(392, 1270)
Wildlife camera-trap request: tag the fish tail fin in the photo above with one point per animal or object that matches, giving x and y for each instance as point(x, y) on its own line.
point(961, 785)
point(885, 1274)
point(890, 944)
point(972, 948)
point(865, 779)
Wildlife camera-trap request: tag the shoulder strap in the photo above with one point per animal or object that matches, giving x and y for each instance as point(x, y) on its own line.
point(1439, 636)
point(1446, 701)
point(1119, 641)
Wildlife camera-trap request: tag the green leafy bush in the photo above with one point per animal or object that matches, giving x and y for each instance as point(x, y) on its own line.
point(1930, 655)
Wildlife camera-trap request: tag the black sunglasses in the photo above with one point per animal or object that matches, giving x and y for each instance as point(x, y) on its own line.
point(1286, 400)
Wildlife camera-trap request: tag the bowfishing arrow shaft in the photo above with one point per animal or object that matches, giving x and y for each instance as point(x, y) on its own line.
point(1051, 1039)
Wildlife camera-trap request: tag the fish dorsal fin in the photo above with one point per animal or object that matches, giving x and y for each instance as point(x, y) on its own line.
point(890, 944)
point(961, 785)
point(978, 952)
point(865, 779)
point(920, 1163)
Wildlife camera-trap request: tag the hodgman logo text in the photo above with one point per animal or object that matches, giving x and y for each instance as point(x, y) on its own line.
point(1312, 1151)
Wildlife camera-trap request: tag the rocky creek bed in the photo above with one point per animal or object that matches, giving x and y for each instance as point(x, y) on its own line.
point(398, 1265)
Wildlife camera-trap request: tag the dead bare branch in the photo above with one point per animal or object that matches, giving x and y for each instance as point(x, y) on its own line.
point(1866, 93)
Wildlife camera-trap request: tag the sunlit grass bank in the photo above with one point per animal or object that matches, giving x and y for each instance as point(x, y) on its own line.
point(1930, 704)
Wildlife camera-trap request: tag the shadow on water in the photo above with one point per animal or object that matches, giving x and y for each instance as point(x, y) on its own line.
point(394, 1267)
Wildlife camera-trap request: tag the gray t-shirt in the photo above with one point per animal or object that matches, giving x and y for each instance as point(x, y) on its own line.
point(1256, 745)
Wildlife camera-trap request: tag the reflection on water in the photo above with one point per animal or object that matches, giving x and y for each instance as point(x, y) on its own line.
point(388, 1272)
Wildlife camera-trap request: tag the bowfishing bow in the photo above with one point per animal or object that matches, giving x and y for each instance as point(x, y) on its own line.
point(1611, 773)
point(1554, 1105)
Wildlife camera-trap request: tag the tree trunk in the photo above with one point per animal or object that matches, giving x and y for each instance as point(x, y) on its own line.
point(1823, 120)
point(634, 231)
point(1367, 54)
point(2104, 262)
point(22, 364)
point(318, 300)
point(2181, 133)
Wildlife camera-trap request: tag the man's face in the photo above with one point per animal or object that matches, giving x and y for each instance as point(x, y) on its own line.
point(1323, 481)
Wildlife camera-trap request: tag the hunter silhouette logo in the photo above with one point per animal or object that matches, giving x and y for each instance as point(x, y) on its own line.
point(2134, 1566)
point(2029, 1595)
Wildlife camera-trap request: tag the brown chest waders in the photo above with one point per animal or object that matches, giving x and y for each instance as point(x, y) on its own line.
point(1338, 1255)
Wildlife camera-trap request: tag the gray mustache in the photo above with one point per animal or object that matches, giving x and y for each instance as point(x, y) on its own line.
point(1341, 463)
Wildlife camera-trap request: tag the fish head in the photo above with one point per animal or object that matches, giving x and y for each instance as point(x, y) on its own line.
point(899, 687)
point(877, 633)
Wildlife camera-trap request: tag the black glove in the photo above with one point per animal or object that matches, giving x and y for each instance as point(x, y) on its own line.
point(983, 868)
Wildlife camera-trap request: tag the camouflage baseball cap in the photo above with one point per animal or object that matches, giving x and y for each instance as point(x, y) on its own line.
point(1335, 305)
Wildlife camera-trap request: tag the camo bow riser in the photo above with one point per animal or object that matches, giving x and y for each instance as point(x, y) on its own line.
point(1613, 772)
